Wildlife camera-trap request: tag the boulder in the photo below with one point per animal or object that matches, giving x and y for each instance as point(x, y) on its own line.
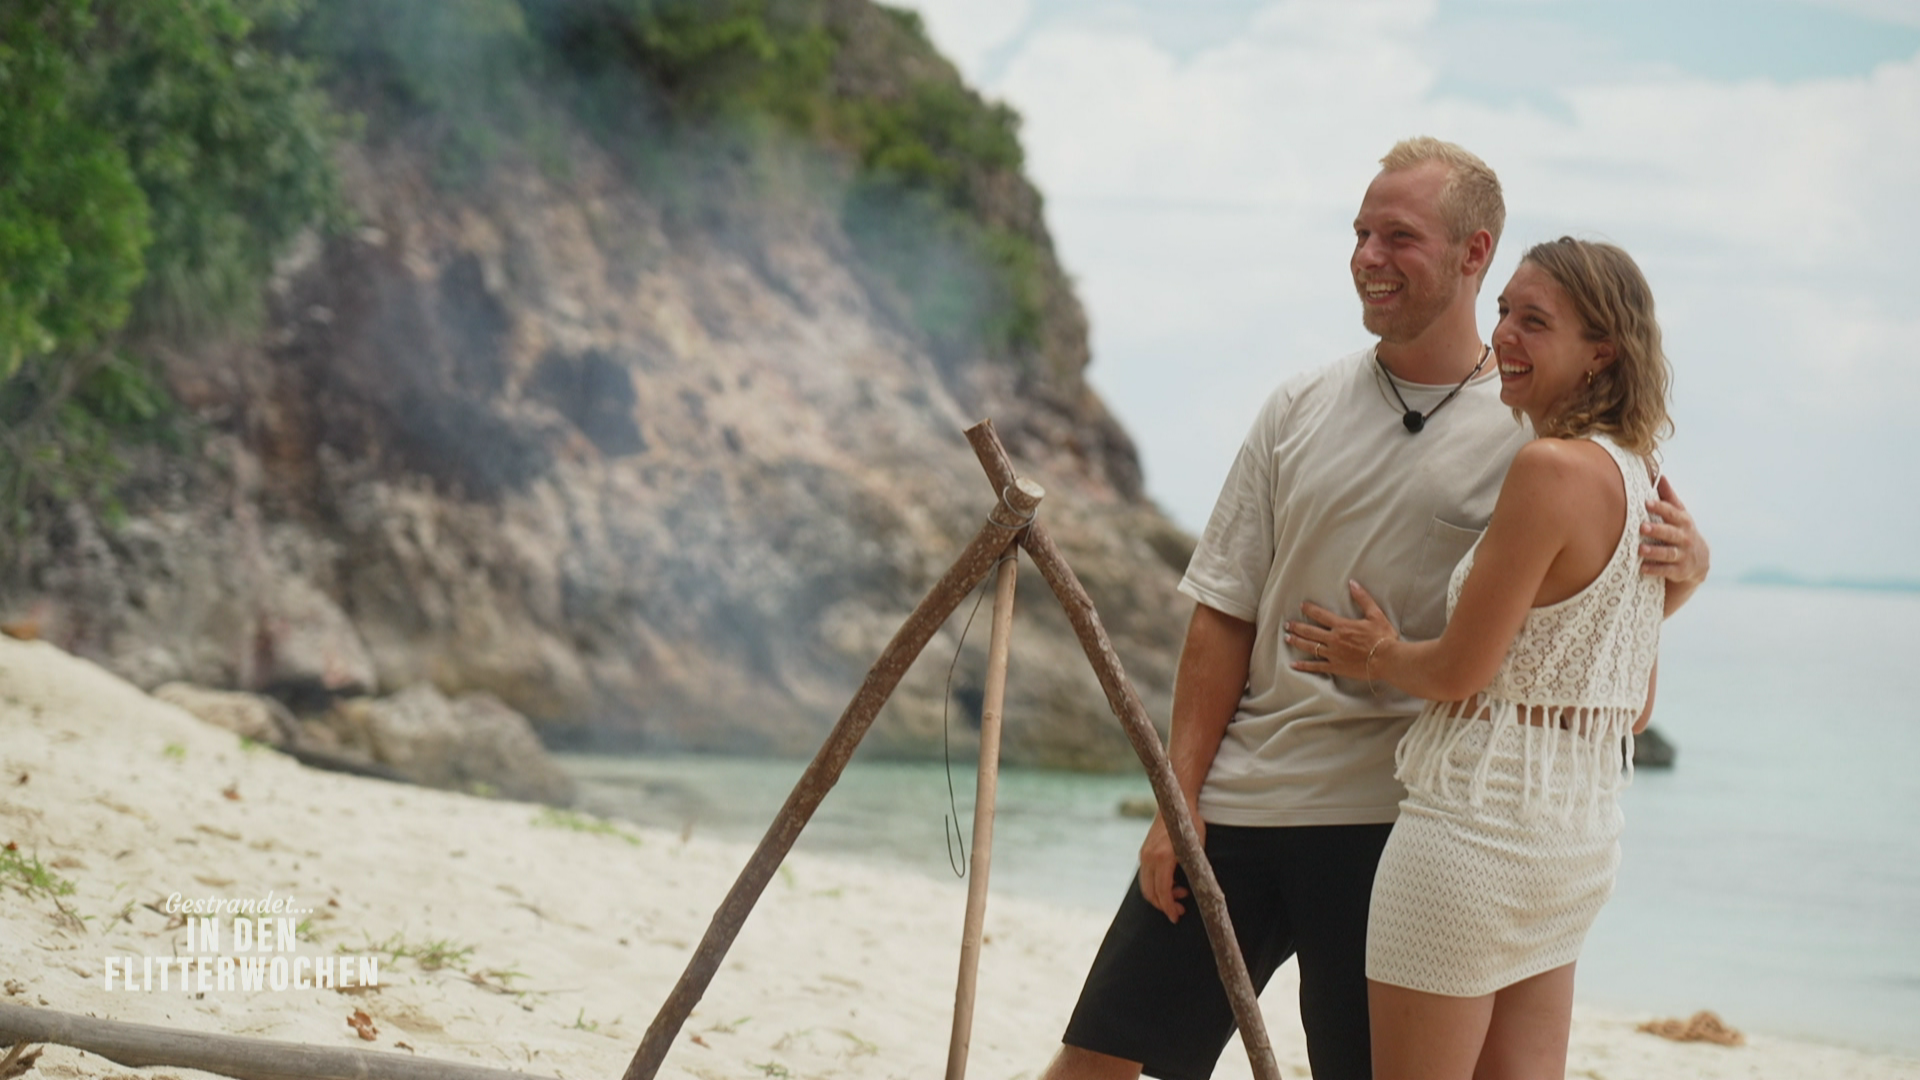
point(251, 716)
point(1652, 750)
point(306, 645)
point(475, 743)
point(498, 747)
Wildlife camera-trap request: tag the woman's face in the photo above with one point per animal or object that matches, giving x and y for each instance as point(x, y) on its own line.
point(1544, 355)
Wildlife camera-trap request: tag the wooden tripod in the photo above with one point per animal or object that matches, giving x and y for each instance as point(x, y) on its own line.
point(1010, 525)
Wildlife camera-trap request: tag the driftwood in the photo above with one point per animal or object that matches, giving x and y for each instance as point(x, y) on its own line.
point(1018, 499)
point(986, 788)
point(1126, 705)
point(139, 1046)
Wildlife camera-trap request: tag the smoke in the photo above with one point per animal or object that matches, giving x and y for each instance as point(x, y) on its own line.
point(645, 418)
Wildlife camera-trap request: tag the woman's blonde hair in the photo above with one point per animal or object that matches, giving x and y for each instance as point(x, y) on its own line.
point(1627, 399)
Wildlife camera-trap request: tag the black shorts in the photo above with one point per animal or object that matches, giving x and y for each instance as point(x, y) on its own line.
point(1154, 993)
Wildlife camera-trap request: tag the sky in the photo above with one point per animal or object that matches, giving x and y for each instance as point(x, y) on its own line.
point(1202, 161)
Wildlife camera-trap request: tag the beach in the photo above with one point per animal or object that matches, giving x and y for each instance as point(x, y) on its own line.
point(515, 936)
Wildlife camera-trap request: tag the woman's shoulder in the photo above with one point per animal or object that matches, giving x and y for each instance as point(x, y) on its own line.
point(1554, 482)
point(1552, 460)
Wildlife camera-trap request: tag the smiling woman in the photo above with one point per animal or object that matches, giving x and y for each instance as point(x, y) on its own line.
point(1507, 842)
point(1579, 346)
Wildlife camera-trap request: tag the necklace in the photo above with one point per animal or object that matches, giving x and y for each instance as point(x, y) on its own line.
point(1413, 418)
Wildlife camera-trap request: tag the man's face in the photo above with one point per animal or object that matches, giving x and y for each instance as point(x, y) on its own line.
point(1405, 266)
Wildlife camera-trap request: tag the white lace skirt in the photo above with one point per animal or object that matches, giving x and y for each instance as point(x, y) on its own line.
point(1470, 899)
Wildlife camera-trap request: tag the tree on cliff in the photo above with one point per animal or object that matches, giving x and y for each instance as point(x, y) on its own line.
point(155, 155)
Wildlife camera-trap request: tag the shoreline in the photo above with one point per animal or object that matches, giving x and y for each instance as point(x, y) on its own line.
point(1082, 855)
point(512, 935)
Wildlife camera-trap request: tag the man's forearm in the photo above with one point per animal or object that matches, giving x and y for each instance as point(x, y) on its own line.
point(1206, 693)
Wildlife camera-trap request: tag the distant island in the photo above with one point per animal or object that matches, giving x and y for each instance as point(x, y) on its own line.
point(1774, 576)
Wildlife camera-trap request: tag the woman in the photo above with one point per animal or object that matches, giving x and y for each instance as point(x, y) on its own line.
point(1507, 842)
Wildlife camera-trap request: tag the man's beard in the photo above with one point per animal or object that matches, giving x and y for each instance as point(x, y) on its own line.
point(1412, 317)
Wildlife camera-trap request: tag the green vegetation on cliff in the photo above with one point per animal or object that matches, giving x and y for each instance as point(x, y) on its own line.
point(156, 157)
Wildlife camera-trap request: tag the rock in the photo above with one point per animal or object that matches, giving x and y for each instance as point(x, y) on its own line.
point(252, 716)
point(26, 622)
point(352, 764)
point(474, 744)
point(412, 732)
point(305, 645)
point(148, 664)
point(498, 747)
point(311, 742)
point(1651, 750)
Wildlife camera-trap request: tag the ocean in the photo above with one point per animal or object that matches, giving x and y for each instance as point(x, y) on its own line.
point(1772, 875)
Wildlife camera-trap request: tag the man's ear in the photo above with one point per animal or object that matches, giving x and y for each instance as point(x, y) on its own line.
point(1479, 252)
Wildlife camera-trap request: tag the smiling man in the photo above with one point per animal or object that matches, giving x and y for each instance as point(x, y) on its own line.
point(1381, 467)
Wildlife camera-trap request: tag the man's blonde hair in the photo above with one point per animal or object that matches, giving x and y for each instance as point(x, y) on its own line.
point(1470, 200)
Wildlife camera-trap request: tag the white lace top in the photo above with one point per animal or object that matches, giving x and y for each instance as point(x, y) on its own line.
point(1576, 677)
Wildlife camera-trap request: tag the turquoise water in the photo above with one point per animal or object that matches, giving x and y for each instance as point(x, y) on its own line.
point(1773, 875)
point(1057, 836)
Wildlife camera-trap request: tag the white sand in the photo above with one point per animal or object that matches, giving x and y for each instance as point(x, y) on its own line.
point(842, 971)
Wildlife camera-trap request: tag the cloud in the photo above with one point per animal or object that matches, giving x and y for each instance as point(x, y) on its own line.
point(1203, 199)
point(968, 31)
point(1899, 12)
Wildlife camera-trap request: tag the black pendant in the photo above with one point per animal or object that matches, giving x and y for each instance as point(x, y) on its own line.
point(1414, 421)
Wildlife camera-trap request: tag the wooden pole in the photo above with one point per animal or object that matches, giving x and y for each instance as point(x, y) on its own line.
point(986, 788)
point(139, 1046)
point(1014, 512)
point(1125, 702)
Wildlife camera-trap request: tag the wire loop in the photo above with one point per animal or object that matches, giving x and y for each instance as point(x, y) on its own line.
point(1023, 519)
point(950, 825)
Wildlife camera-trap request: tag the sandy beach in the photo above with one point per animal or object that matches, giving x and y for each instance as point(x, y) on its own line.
point(515, 936)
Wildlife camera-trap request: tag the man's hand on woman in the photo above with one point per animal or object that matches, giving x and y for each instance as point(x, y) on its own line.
point(1672, 547)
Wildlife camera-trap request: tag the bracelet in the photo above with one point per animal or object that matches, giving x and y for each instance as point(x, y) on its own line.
point(1379, 641)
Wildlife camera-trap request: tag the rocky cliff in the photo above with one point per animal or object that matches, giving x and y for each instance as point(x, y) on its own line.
point(654, 478)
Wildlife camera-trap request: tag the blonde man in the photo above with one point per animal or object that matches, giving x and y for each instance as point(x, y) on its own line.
point(1381, 467)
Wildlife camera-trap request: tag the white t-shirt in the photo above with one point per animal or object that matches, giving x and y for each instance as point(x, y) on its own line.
point(1330, 486)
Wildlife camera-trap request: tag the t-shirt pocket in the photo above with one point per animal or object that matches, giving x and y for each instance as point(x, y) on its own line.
point(1423, 601)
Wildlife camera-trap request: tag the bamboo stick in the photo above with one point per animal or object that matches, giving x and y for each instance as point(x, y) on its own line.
point(1126, 705)
point(140, 1046)
point(986, 788)
point(1018, 500)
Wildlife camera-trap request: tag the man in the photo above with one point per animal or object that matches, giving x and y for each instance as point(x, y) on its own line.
point(1381, 468)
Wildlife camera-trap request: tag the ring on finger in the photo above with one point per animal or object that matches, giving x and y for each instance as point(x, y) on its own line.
point(1320, 649)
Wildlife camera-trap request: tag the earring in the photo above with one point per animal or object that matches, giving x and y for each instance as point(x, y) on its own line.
point(1589, 378)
